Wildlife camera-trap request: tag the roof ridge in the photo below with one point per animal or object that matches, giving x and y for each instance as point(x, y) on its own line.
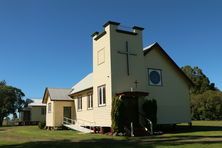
point(57, 88)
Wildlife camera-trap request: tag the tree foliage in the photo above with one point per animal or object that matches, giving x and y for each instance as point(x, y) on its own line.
point(207, 106)
point(206, 99)
point(150, 110)
point(117, 115)
point(10, 100)
point(200, 80)
point(27, 102)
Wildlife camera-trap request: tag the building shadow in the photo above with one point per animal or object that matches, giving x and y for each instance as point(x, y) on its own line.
point(148, 142)
point(103, 143)
point(187, 129)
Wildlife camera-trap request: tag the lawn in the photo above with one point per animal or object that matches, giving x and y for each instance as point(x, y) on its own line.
point(203, 134)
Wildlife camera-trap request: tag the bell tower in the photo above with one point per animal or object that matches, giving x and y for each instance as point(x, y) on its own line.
point(118, 58)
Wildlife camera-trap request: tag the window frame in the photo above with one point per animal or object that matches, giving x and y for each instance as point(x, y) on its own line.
point(101, 52)
point(49, 107)
point(90, 101)
point(101, 98)
point(79, 103)
point(161, 78)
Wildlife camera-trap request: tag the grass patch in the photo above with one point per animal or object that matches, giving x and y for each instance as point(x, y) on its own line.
point(204, 134)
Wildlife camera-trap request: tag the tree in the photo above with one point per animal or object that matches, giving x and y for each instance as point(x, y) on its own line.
point(207, 106)
point(150, 110)
point(200, 80)
point(10, 100)
point(2, 83)
point(27, 102)
point(206, 99)
point(117, 115)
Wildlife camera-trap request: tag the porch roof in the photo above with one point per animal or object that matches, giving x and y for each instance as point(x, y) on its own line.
point(133, 93)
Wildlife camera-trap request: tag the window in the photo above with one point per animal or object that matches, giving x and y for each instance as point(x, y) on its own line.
point(100, 56)
point(155, 77)
point(102, 95)
point(49, 107)
point(43, 111)
point(90, 101)
point(79, 103)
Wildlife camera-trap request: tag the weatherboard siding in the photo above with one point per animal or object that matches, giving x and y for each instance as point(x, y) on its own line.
point(50, 116)
point(173, 99)
point(102, 76)
point(59, 108)
point(36, 114)
point(84, 114)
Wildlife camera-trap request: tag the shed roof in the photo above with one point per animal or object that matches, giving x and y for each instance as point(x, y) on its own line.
point(57, 94)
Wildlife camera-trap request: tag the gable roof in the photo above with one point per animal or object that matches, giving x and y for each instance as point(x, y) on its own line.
point(57, 94)
point(84, 84)
point(155, 45)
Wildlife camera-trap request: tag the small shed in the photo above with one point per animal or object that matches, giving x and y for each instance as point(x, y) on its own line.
point(58, 106)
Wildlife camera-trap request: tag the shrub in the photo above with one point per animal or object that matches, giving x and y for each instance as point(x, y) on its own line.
point(117, 115)
point(207, 106)
point(41, 125)
point(150, 110)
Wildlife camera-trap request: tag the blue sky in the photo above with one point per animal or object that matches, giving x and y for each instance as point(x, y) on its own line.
point(47, 43)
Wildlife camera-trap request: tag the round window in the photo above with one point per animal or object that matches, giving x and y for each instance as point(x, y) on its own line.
point(154, 77)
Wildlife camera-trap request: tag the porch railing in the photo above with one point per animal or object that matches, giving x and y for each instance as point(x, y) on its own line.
point(149, 122)
point(79, 122)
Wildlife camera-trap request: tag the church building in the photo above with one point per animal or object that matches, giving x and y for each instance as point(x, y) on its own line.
point(123, 67)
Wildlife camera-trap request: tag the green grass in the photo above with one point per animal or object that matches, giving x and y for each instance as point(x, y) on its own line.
point(204, 134)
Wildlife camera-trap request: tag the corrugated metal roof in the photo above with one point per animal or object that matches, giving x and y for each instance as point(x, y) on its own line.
point(59, 94)
point(36, 102)
point(84, 84)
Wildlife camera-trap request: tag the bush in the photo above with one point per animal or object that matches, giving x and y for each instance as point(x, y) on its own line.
point(41, 125)
point(150, 110)
point(207, 106)
point(117, 115)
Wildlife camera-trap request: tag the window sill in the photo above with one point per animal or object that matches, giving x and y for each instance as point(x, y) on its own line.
point(90, 108)
point(102, 105)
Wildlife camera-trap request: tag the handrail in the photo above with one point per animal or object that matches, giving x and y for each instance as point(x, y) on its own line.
point(68, 121)
point(80, 122)
point(150, 122)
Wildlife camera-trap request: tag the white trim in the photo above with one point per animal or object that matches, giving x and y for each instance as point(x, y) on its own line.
point(49, 107)
point(101, 99)
point(79, 108)
point(159, 71)
point(90, 101)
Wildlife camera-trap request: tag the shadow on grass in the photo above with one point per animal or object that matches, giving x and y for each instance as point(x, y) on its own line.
point(149, 142)
point(83, 143)
point(186, 129)
point(180, 140)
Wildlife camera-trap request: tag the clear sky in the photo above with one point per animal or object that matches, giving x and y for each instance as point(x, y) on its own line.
point(47, 43)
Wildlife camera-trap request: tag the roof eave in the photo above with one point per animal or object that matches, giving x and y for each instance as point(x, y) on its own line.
point(43, 99)
point(146, 51)
point(76, 93)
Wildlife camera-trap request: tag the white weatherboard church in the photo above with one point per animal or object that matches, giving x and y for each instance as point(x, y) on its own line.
point(121, 66)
